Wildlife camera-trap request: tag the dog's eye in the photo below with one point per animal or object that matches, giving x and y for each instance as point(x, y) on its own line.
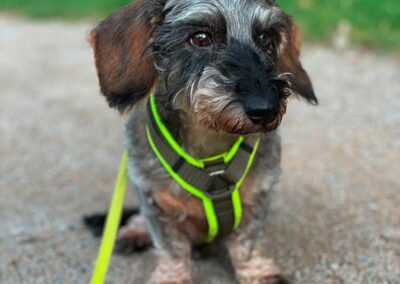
point(264, 40)
point(201, 39)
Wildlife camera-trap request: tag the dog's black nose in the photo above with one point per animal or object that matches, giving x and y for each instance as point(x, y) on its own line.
point(261, 111)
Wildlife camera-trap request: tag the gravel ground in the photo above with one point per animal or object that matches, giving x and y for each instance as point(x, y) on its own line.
point(335, 216)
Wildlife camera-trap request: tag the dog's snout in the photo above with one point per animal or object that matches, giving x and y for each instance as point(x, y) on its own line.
point(261, 111)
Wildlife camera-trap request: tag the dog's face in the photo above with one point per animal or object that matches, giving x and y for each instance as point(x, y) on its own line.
point(230, 63)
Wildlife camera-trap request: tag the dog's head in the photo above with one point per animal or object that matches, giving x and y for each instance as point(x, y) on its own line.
point(232, 64)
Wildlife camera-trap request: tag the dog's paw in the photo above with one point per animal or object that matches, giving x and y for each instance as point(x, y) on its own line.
point(134, 237)
point(130, 245)
point(173, 281)
point(260, 270)
point(279, 279)
point(171, 271)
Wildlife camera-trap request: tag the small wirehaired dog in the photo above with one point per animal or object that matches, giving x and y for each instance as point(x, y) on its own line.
point(218, 72)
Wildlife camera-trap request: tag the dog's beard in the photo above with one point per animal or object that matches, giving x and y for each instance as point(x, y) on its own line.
point(217, 109)
point(220, 111)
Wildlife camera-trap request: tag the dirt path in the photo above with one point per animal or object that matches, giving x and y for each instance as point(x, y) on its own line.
point(335, 217)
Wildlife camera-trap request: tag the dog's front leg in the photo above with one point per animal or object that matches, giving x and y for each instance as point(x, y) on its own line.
point(251, 264)
point(173, 257)
point(247, 251)
point(172, 247)
point(173, 267)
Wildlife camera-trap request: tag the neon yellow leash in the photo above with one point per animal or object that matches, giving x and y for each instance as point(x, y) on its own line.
point(112, 223)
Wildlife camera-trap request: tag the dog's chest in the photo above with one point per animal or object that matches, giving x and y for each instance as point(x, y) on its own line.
point(186, 211)
point(202, 142)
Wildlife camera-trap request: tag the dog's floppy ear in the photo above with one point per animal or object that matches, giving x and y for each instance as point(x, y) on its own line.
point(125, 69)
point(289, 62)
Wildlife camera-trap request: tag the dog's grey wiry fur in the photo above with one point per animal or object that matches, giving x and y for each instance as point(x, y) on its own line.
point(218, 69)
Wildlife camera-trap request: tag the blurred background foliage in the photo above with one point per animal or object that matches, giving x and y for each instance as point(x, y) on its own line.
point(369, 23)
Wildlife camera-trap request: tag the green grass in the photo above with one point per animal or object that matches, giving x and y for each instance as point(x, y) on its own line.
point(70, 9)
point(375, 23)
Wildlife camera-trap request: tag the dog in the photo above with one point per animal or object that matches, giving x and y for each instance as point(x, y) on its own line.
point(218, 70)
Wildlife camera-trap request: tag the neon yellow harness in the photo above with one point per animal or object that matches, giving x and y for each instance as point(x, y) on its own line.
point(215, 180)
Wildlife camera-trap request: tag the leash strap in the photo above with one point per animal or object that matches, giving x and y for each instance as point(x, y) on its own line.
point(112, 223)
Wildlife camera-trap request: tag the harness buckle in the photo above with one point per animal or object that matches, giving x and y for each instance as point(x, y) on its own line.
point(220, 186)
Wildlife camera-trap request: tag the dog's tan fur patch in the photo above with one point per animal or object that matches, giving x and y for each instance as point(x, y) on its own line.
point(172, 270)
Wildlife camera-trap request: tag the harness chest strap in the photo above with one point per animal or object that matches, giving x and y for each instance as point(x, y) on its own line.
point(216, 180)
